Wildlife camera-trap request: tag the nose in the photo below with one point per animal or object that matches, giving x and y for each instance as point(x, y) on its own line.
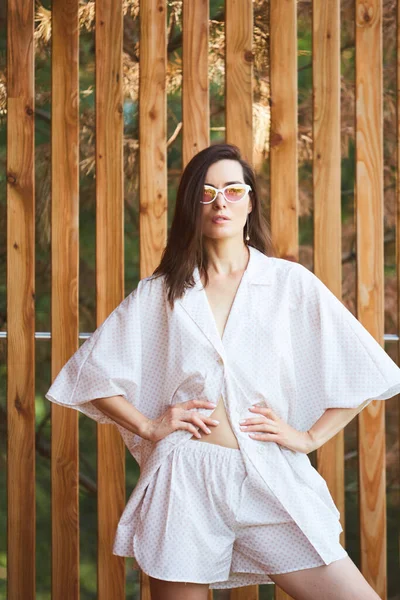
point(221, 195)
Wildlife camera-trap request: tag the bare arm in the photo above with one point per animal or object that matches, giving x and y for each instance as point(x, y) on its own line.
point(331, 422)
point(179, 416)
point(122, 412)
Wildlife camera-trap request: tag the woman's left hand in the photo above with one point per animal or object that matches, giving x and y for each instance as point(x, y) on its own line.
point(267, 426)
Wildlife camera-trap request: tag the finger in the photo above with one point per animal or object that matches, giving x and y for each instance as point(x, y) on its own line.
point(259, 422)
point(261, 427)
point(210, 421)
point(265, 437)
point(195, 403)
point(254, 420)
point(199, 422)
point(261, 409)
point(189, 427)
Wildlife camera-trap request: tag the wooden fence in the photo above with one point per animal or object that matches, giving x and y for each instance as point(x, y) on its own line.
point(153, 231)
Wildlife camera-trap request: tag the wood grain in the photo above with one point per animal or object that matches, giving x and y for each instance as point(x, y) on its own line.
point(109, 276)
point(64, 286)
point(283, 134)
point(239, 75)
point(327, 200)
point(21, 523)
point(152, 134)
point(195, 94)
point(370, 282)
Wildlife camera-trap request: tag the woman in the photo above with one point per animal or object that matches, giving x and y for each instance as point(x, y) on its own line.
point(227, 495)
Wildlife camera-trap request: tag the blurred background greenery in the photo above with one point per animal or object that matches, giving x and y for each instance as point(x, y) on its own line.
point(87, 300)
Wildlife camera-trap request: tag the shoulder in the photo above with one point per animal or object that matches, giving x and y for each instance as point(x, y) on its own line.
point(290, 272)
point(149, 292)
point(148, 289)
point(295, 279)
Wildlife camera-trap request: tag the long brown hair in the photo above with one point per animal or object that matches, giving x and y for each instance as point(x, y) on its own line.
point(184, 249)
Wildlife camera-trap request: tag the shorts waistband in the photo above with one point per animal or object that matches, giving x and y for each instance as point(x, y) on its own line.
point(216, 449)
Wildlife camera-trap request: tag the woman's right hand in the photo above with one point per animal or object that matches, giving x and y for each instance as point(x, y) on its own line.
point(179, 416)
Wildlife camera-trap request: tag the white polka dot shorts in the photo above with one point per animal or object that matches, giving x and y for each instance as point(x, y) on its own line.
point(205, 520)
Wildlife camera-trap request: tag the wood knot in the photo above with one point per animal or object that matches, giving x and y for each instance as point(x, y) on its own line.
point(249, 56)
point(29, 111)
point(11, 178)
point(275, 140)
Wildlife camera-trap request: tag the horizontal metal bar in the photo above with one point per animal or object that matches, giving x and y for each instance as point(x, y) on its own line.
point(46, 335)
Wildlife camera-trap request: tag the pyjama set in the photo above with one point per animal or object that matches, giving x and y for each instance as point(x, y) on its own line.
point(204, 520)
point(200, 511)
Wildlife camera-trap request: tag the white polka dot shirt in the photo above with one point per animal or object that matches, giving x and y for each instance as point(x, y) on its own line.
point(288, 342)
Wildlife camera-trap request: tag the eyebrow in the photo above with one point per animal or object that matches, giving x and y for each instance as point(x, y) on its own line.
point(226, 183)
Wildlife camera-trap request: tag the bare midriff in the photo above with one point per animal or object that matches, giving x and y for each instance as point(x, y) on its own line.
point(221, 434)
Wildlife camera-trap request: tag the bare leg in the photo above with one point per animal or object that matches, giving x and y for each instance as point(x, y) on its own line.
point(340, 580)
point(177, 590)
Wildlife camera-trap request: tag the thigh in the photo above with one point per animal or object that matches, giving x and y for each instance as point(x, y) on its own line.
point(340, 580)
point(171, 590)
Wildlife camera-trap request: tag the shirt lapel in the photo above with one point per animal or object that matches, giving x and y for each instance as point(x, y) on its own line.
point(259, 271)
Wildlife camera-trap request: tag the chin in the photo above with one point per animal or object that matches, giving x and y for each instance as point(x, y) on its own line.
point(217, 235)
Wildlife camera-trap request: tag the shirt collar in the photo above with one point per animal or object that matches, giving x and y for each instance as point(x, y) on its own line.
point(258, 270)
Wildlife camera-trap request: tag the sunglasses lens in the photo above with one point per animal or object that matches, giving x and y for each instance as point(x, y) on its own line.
point(208, 194)
point(234, 193)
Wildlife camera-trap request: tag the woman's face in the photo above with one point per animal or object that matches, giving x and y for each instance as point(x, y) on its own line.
point(220, 174)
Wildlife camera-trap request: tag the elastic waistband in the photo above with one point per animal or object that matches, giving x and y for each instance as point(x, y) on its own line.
point(216, 449)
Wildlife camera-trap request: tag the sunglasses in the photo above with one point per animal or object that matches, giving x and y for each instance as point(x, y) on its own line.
point(232, 193)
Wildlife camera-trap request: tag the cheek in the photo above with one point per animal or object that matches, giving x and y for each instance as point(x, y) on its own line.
point(239, 213)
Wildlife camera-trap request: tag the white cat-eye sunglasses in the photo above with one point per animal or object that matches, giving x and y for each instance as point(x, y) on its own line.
point(232, 193)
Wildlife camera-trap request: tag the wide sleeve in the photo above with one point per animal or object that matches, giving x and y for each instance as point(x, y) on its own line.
point(337, 362)
point(108, 363)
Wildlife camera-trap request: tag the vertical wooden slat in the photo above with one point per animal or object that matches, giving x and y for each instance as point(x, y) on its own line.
point(283, 135)
point(109, 276)
point(327, 198)
point(239, 75)
point(153, 148)
point(152, 134)
point(195, 95)
point(20, 302)
point(370, 282)
point(64, 312)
